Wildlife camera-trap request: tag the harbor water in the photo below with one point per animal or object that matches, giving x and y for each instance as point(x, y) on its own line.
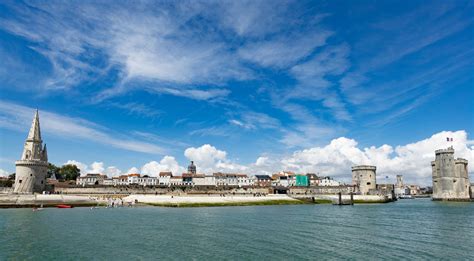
point(407, 229)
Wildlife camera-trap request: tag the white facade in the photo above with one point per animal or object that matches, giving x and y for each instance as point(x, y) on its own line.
point(328, 182)
point(164, 178)
point(136, 179)
point(244, 180)
point(176, 181)
point(90, 180)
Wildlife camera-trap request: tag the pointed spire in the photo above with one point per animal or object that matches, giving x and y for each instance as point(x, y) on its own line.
point(35, 132)
point(45, 153)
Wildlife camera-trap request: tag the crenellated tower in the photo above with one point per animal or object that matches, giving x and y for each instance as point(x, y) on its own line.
point(32, 168)
point(450, 177)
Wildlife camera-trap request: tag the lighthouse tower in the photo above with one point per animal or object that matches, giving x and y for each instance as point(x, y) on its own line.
point(31, 169)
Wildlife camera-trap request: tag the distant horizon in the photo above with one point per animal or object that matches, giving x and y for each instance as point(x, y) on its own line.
point(247, 87)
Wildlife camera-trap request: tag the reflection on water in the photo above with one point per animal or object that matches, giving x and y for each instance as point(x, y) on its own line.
point(406, 229)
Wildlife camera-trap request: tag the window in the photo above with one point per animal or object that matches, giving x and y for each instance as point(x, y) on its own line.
point(368, 183)
point(19, 181)
point(31, 175)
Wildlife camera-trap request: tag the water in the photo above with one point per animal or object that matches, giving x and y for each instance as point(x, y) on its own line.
point(407, 229)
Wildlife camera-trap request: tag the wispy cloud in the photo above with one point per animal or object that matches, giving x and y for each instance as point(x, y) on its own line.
point(18, 118)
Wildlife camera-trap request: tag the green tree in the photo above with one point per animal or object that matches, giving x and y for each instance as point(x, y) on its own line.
point(53, 169)
point(69, 172)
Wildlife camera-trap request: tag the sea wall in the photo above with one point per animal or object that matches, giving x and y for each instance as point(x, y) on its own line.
point(158, 190)
point(321, 190)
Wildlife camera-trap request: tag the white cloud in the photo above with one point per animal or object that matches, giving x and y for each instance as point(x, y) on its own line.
point(335, 159)
point(206, 156)
point(412, 160)
point(4, 173)
point(18, 117)
point(284, 51)
point(167, 163)
point(133, 170)
point(96, 168)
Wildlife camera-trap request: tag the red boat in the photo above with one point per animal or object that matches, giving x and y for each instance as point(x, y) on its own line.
point(64, 206)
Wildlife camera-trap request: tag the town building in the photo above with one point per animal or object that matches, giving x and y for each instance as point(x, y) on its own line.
point(164, 178)
point(243, 180)
point(450, 176)
point(364, 178)
point(263, 181)
point(328, 182)
point(32, 168)
point(176, 181)
point(91, 179)
point(414, 189)
point(313, 179)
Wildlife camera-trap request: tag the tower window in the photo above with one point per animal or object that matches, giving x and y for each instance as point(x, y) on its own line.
point(19, 181)
point(31, 175)
point(368, 183)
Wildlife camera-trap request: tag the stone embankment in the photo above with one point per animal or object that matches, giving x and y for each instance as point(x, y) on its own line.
point(37, 200)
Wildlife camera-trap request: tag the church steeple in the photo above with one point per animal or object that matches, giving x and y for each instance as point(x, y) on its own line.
point(35, 132)
point(33, 149)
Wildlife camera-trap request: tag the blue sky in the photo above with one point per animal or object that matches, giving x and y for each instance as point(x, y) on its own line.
point(129, 83)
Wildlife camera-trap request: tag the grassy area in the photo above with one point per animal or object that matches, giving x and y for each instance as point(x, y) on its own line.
point(227, 204)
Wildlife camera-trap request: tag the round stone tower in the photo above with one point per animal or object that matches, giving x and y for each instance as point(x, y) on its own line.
point(364, 177)
point(450, 177)
point(31, 169)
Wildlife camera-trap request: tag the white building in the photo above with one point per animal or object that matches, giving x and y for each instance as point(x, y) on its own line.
point(137, 179)
point(244, 180)
point(328, 182)
point(91, 179)
point(164, 178)
point(176, 181)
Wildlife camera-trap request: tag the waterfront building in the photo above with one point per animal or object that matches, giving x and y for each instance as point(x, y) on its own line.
point(313, 179)
point(187, 179)
point(122, 180)
point(243, 180)
point(109, 182)
point(91, 179)
point(32, 168)
point(364, 178)
point(328, 182)
point(414, 189)
point(263, 181)
point(301, 181)
point(198, 180)
point(164, 178)
point(210, 180)
point(176, 181)
point(450, 176)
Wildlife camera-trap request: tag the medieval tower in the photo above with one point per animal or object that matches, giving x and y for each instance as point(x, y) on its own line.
point(364, 178)
point(450, 176)
point(31, 169)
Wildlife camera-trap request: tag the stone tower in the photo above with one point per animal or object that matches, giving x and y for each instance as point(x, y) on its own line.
point(450, 176)
point(192, 168)
point(32, 168)
point(363, 177)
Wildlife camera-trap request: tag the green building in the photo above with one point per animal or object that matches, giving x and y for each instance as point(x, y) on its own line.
point(301, 181)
